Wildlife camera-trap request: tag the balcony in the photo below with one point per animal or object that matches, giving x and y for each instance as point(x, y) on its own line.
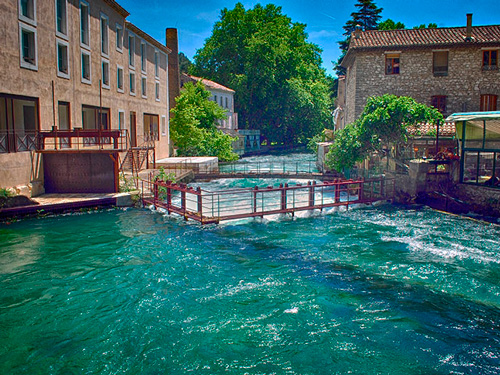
point(76, 140)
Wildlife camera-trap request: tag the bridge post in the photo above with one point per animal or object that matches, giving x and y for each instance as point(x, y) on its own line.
point(283, 196)
point(337, 190)
point(361, 189)
point(200, 203)
point(169, 196)
point(255, 198)
point(311, 192)
point(155, 192)
point(183, 198)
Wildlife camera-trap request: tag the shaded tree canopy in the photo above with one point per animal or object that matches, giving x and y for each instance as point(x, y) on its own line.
point(429, 26)
point(384, 121)
point(184, 63)
point(193, 125)
point(280, 87)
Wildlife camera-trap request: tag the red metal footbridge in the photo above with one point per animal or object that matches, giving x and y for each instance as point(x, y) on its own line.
point(209, 207)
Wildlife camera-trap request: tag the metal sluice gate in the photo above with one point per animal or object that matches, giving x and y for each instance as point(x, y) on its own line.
point(209, 207)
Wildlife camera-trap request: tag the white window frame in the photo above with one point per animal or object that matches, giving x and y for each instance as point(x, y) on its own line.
point(132, 88)
point(157, 63)
point(65, 44)
point(104, 35)
point(157, 91)
point(119, 38)
point(120, 125)
point(144, 57)
point(118, 69)
point(131, 51)
point(61, 34)
point(26, 64)
point(22, 17)
point(87, 53)
point(144, 87)
point(163, 125)
point(104, 66)
point(83, 44)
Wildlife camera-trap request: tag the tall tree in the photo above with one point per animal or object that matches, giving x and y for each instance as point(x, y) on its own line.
point(367, 17)
point(280, 86)
point(184, 63)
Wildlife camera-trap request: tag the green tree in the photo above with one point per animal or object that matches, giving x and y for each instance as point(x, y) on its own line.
point(366, 17)
point(429, 26)
point(184, 63)
point(193, 125)
point(384, 121)
point(280, 86)
point(389, 24)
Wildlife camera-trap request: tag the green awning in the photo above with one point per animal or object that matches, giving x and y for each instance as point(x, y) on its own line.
point(475, 123)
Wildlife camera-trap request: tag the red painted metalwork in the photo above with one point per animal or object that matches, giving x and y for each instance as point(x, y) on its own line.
point(216, 206)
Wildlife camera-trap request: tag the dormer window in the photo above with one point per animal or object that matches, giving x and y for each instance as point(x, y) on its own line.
point(392, 63)
point(490, 60)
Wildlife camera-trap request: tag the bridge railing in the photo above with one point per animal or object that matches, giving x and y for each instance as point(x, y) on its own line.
point(268, 167)
point(215, 206)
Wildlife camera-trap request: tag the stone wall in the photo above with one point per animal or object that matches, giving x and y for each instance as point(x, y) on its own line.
point(463, 86)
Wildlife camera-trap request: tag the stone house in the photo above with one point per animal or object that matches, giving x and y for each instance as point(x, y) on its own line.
point(224, 97)
point(69, 65)
point(453, 69)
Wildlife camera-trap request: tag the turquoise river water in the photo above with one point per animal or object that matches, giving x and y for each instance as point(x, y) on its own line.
point(371, 290)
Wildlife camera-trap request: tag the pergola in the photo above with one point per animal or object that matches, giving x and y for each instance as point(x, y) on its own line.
point(478, 134)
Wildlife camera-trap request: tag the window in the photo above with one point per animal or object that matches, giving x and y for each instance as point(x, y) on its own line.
point(105, 74)
point(490, 60)
point(144, 87)
point(131, 51)
point(131, 77)
point(226, 104)
point(119, 78)
point(215, 98)
point(91, 118)
point(121, 120)
point(392, 63)
point(163, 125)
point(61, 18)
point(28, 50)
point(86, 78)
point(104, 35)
point(63, 115)
point(27, 11)
point(439, 102)
point(18, 132)
point(143, 57)
point(488, 103)
point(119, 37)
point(84, 24)
point(157, 63)
point(151, 127)
point(62, 59)
point(440, 63)
point(157, 91)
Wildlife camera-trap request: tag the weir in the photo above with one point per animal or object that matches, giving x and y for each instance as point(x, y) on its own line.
point(209, 207)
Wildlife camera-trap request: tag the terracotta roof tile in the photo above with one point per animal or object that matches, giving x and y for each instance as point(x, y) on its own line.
point(209, 84)
point(446, 129)
point(425, 37)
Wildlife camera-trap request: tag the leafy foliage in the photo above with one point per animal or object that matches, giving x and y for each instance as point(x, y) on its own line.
point(280, 86)
point(385, 120)
point(389, 24)
point(193, 126)
point(184, 63)
point(429, 26)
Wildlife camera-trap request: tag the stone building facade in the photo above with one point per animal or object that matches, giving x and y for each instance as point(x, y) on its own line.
point(452, 69)
point(70, 64)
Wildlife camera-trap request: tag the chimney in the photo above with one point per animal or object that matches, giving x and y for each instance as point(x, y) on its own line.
point(357, 31)
point(173, 67)
point(468, 37)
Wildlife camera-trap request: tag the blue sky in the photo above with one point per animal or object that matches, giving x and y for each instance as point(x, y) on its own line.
point(194, 19)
